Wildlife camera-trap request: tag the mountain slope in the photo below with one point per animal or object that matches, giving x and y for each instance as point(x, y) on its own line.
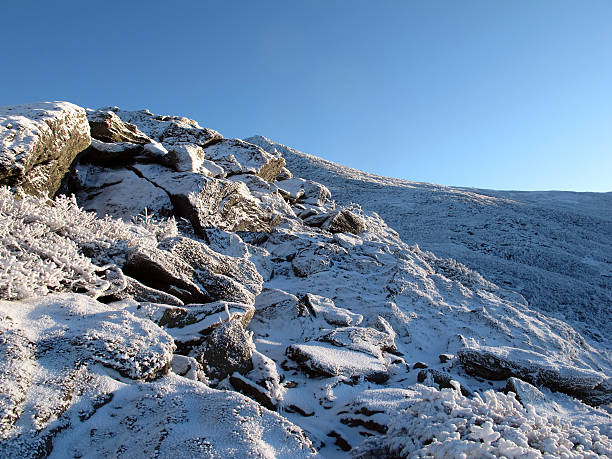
point(554, 248)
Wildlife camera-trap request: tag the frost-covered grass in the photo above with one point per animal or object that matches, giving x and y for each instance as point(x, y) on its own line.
point(54, 245)
point(444, 423)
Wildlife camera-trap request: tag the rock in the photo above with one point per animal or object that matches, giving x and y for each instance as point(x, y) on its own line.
point(362, 339)
point(441, 379)
point(326, 360)
point(505, 362)
point(111, 154)
point(444, 358)
point(239, 157)
point(228, 349)
point(252, 390)
point(344, 221)
point(107, 127)
point(525, 392)
point(38, 142)
point(120, 193)
point(188, 367)
point(169, 130)
point(192, 279)
point(320, 306)
point(302, 190)
point(207, 202)
point(418, 365)
point(186, 157)
point(141, 293)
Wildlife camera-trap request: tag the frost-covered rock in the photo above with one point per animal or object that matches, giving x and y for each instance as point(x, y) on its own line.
point(168, 130)
point(107, 127)
point(344, 221)
point(503, 362)
point(228, 349)
point(38, 142)
point(302, 190)
point(239, 157)
point(325, 360)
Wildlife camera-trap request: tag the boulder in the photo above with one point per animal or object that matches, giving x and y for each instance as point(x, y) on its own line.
point(107, 127)
point(38, 142)
point(344, 221)
point(186, 157)
point(504, 362)
point(163, 270)
point(324, 307)
point(525, 392)
point(362, 339)
point(228, 349)
point(141, 293)
point(208, 202)
point(302, 190)
point(239, 157)
point(327, 360)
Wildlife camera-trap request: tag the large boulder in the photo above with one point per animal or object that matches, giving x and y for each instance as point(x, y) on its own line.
point(498, 363)
point(38, 142)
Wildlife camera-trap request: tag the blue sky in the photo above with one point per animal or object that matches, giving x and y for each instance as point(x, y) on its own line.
point(490, 94)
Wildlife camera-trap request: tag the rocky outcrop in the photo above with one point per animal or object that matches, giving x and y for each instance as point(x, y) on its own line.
point(38, 142)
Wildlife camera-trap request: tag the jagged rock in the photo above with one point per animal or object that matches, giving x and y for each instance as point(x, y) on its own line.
point(504, 362)
point(441, 379)
point(302, 190)
point(228, 349)
point(239, 157)
point(207, 202)
point(188, 367)
point(362, 339)
point(320, 306)
point(168, 130)
point(107, 127)
point(326, 360)
point(193, 280)
point(419, 365)
point(38, 142)
point(444, 358)
point(344, 221)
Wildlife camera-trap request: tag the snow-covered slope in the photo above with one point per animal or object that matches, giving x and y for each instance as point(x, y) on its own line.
point(553, 247)
point(268, 316)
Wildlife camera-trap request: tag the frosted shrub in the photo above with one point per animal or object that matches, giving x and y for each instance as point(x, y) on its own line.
point(444, 423)
point(53, 245)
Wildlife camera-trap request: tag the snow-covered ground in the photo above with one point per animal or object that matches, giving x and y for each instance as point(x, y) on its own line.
point(356, 314)
point(552, 247)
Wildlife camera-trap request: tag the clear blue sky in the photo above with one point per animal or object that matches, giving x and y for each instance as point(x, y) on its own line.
point(495, 94)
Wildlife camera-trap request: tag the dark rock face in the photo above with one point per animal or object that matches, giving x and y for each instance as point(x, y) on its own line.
point(502, 363)
point(228, 349)
point(107, 127)
point(38, 142)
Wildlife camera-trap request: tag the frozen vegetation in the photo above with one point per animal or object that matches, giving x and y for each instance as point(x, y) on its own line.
point(166, 292)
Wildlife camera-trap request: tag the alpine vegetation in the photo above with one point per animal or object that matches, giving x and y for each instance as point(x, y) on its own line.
point(167, 292)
